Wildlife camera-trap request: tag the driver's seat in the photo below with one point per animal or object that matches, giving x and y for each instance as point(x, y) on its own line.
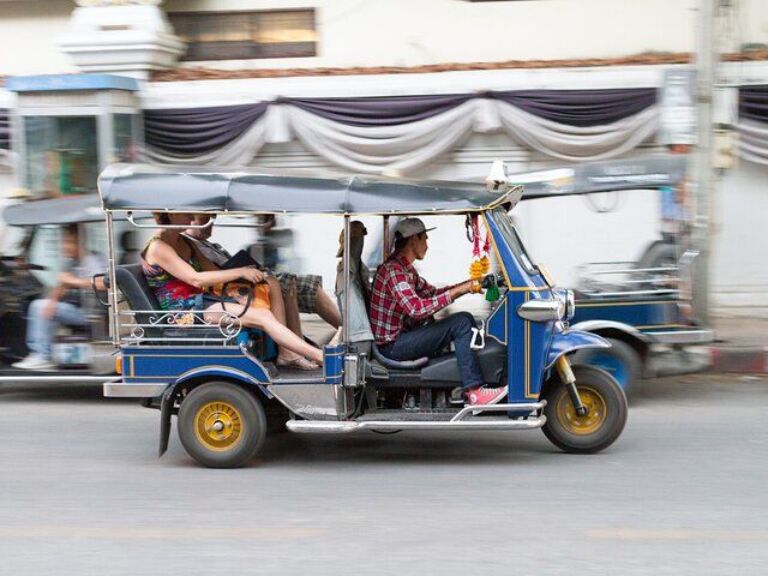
point(363, 336)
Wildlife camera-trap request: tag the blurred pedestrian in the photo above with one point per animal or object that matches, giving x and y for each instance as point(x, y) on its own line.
point(62, 303)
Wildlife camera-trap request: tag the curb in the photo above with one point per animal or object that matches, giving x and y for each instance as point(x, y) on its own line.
point(752, 360)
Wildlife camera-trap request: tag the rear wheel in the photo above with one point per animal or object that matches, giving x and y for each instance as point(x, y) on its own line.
point(600, 427)
point(621, 361)
point(221, 425)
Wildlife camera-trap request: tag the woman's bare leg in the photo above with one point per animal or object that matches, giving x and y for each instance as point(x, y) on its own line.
point(264, 319)
point(280, 309)
point(327, 309)
point(276, 303)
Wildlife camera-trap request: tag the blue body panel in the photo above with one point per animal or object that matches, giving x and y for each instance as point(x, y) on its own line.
point(333, 364)
point(142, 364)
point(527, 342)
point(570, 340)
point(644, 315)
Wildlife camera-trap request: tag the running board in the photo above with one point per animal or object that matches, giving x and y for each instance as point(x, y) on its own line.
point(458, 422)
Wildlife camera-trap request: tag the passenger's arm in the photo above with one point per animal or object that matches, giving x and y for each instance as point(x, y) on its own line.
point(163, 255)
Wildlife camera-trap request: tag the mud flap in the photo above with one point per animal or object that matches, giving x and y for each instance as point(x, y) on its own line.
point(166, 409)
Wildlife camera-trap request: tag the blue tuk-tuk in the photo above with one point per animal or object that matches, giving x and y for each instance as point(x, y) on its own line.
point(217, 378)
point(638, 305)
point(79, 353)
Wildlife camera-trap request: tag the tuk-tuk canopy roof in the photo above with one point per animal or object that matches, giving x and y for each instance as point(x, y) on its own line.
point(650, 172)
point(56, 211)
point(128, 187)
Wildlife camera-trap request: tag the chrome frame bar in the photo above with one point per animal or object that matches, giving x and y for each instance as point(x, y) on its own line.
point(129, 217)
point(528, 407)
point(114, 321)
point(347, 426)
point(60, 379)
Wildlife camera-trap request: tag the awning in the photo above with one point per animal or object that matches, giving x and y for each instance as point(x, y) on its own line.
point(128, 187)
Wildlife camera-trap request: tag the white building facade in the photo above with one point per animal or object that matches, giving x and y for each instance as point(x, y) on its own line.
point(193, 54)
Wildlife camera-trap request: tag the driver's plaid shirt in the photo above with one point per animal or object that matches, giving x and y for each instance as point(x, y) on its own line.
point(400, 299)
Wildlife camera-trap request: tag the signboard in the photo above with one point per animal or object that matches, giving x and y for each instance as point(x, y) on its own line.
point(677, 98)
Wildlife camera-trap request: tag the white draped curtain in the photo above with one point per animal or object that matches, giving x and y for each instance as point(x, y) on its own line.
point(409, 146)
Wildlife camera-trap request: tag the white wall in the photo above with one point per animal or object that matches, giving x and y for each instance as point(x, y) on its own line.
point(740, 245)
point(413, 33)
point(28, 33)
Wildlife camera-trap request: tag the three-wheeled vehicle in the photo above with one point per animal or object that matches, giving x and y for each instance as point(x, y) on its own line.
point(80, 354)
point(221, 386)
point(635, 305)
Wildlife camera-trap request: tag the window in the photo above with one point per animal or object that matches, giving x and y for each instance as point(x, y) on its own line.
point(61, 156)
point(245, 35)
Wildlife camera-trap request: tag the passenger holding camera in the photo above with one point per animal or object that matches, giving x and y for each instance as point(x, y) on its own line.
point(181, 277)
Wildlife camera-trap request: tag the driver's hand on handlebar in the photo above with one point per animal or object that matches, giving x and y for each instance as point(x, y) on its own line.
point(252, 274)
point(461, 289)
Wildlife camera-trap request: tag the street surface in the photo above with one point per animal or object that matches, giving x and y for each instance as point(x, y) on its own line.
point(684, 491)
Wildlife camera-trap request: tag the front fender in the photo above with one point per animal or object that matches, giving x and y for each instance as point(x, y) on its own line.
point(570, 340)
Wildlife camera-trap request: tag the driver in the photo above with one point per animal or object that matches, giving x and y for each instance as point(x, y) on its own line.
point(401, 310)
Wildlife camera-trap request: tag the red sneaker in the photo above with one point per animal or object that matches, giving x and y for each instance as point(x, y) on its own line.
point(484, 396)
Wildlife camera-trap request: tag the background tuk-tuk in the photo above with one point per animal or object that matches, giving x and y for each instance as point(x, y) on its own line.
point(639, 304)
point(28, 262)
point(226, 393)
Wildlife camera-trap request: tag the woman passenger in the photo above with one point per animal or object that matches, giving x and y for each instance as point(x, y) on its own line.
point(179, 276)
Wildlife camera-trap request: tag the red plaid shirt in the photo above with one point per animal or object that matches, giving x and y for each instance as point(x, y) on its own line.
point(401, 299)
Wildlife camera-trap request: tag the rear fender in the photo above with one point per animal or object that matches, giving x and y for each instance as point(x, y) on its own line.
point(570, 341)
point(199, 376)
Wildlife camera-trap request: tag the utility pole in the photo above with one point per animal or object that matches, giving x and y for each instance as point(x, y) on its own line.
point(702, 167)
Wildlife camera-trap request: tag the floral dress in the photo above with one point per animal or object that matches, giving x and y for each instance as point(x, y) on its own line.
point(171, 293)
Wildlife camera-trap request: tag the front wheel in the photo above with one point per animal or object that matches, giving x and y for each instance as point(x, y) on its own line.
point(221, 425)
point(600, 427)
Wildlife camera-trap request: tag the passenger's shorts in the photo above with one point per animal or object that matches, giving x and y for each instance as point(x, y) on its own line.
point(306, 289)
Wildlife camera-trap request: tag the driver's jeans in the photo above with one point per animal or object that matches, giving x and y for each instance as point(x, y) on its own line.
point(40, 331)
point(432, 339)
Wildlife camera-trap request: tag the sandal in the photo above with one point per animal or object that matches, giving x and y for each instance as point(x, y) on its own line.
point(298, 363)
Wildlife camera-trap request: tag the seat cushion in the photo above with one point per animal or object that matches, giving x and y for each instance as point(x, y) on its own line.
point(398, 364)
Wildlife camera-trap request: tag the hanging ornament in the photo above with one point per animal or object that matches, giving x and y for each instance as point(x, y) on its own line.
point(480, 263)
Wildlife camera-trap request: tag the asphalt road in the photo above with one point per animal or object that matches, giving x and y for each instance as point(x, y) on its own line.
point(684, 491)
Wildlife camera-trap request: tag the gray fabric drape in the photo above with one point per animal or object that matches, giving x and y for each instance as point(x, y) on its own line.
point(5, 129)
point(362, 147)
point(581, 107)
point(196, 131)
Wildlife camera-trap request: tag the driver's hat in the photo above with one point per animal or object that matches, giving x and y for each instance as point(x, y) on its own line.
point(408, 227)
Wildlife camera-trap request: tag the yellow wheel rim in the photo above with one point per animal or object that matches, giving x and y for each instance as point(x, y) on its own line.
point(218, 426)
point(582, 425)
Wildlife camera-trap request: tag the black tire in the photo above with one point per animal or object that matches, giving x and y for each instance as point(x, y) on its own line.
point(621, 361)
point(237, 411)
point(591, 433)
point(658, 255)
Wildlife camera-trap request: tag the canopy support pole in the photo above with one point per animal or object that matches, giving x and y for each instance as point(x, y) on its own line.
point(345, 317)
point(385, 240)
point(112, 280)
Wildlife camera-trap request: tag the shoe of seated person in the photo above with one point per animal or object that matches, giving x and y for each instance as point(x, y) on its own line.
point(484, 396)
point(34, 361)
